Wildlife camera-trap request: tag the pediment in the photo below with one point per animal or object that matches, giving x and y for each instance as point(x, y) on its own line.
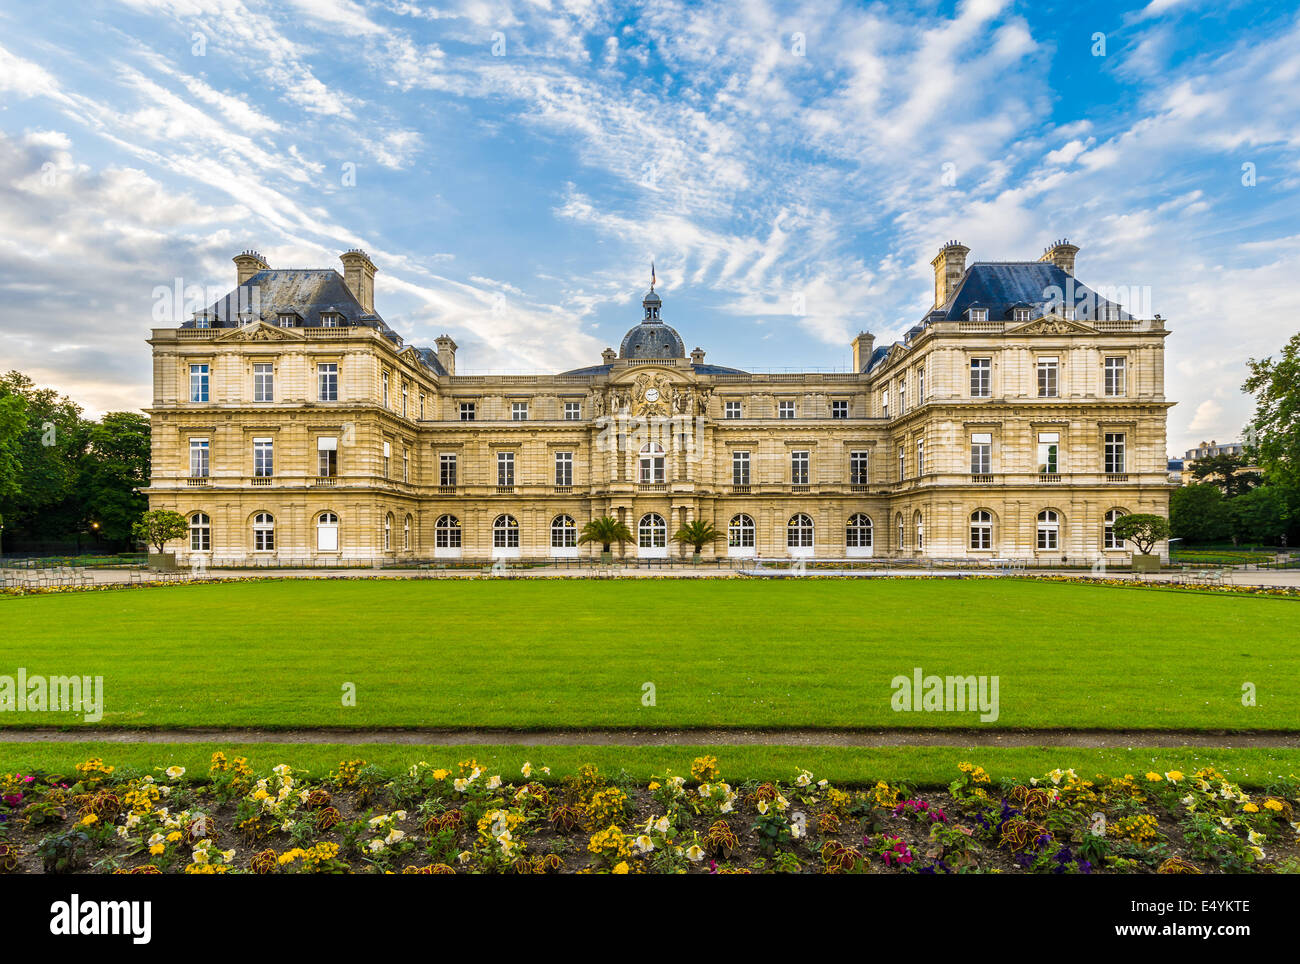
point(1051, 326)
point(261, 331)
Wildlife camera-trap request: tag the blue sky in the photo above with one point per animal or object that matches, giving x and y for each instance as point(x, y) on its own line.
point(516, 167)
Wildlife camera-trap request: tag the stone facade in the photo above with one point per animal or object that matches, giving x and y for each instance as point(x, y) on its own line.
point(1002, 426)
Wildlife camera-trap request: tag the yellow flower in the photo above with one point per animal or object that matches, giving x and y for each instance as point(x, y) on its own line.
point(1173, 776)
point(1250, 808)
point(157, 849)
point(1155, 777)
point(1275, 805)
point(620, 868)
point(88, 819)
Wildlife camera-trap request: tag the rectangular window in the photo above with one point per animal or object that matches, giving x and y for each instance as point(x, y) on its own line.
point(467, 411)
point(981, 453)
point(785, 409)
point(1047, 378)
point(1049, 450)
point(421, 406)
point(740, 468)
point(902, 394)
point(564, 468)
point(406, 465)
point(198, 383)
point(263, 383)
point(384, 380)
point(327, 456)
point(573, 411)
point(920, 386)
point(406, 395)
point(1020, 314)
point(327, 377)
point(884, 404)
point(505, 468)
point(263, 457)
point(920, 456)
point(1114, 453)
point(388, 459)
point(979, 314)
point(839, 409)
point(902, 462)
point(198, 458)
point(447, 469)
point(857, 468)
point(519, 411)
point(731, 410)
point(798, 468)
point(1115, 372)
point(981, 377)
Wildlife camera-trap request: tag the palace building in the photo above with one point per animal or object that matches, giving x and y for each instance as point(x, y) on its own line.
point(1016, 420)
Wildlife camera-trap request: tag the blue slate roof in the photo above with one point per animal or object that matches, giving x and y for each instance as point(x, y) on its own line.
point(306, 293)
point(595, 370)
point(1001, 286)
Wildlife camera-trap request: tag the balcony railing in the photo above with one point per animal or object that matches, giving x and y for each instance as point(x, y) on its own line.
point(326, 480)
point(447, 489)
point(740, 489)
point(261, 480)
point(1048, 477)
point(981, 478)
point(197, 480)
point(1116, 476)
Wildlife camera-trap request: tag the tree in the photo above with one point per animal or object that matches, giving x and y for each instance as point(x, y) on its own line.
point(1198, 514)
point(697, 534)
point(113, 470)
point(159, 527)
point(606, 530)
point(1276, 425)
point(42, 498)
point(1225, 471)
point(1141, 529)
point(1260, 516)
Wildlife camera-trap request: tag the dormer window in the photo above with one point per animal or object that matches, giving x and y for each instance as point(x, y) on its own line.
point(1020, 314)
point(1068, 313)
point(287, 319)
point(331, 319)
point(202, 321)
point(979, 314)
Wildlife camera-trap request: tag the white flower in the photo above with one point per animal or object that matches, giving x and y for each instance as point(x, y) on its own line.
point(175, 773)
point(463, 857)
point(394, 835)
point(796, 829)
point(694, 853)
point(803, 779)
point(526, 769)
point(643, 844)
point(762, 806)
point(376, 845)
point(494, 782)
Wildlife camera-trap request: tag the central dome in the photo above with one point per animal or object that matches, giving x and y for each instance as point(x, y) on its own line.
point(652, 338)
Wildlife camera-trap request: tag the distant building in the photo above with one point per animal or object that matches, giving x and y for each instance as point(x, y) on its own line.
point(1206, 450)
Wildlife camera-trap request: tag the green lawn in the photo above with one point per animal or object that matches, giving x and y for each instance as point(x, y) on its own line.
point(533, 654)
point(926, 766)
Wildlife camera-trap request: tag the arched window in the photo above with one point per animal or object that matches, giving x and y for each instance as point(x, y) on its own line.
point(652, 533)
point(200, 533)
point(858, 534)
point(327, 532)
point(505, 532)
point(1108, 539)
point(898, 519)
point(981, 529)
point(406, 528)
point(1049, 529)
point(446, 532)
point(740, 532)
point(799, 532)
point(388, 532)
point(263, 532)
point(564, 532)
point(652, 463)
point(919, 525)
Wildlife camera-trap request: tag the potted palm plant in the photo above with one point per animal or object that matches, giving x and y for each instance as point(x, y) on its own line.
point(697, 534)
point(606, 530)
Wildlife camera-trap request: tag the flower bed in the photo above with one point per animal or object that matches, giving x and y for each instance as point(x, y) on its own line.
point(463, 819)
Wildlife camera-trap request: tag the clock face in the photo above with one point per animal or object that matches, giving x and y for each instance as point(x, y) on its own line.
point(652, 394)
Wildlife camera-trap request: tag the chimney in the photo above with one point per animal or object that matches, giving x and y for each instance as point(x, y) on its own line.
point(359, 273)
point(862, 346)
point(607, 356)
point(949, 267)
point(446, 351)
point(697, 356)
point(247, 264)
point(1061, 253)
